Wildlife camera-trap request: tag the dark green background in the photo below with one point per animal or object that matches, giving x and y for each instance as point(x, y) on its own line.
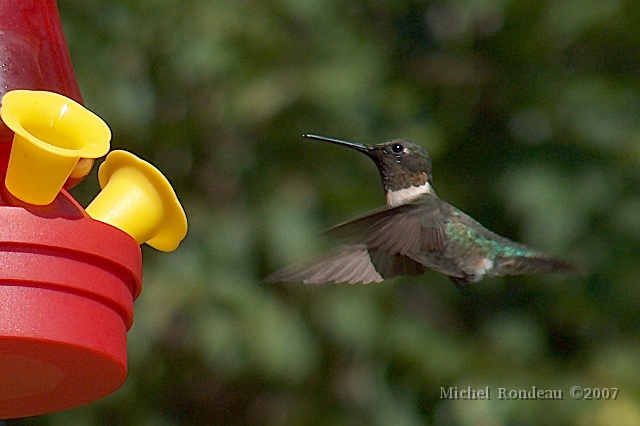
point(531, 111)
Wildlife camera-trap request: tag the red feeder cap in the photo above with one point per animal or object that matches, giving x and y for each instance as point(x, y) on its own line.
point(67, 286)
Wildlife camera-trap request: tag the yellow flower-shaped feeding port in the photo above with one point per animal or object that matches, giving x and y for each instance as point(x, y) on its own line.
point(52, 133)
point(137, 199)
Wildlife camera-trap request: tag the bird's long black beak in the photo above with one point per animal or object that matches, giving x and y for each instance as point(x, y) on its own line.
point(357, 146)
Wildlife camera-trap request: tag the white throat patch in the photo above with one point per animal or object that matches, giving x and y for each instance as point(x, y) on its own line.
point(406, 195)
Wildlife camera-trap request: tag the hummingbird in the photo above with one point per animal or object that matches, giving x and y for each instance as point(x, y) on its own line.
point(415, 232)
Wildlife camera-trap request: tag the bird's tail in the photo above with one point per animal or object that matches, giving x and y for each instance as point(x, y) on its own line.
point(536, 264)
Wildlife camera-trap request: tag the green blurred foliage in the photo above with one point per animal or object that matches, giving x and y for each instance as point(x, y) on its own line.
point(530, 110)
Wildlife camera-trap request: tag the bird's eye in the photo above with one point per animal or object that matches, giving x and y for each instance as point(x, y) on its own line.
point(397, 148)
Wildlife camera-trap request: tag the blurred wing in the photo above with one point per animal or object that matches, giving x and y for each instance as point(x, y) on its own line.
point(349, 264)
point(387, 243)
point(393, 265)
point(408, 229)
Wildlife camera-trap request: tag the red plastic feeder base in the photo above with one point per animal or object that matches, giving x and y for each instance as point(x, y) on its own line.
point(67, 286)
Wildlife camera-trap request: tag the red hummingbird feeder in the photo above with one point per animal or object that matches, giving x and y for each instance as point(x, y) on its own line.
point(68, 276)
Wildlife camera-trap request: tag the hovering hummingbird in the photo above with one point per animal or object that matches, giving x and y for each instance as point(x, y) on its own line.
point(415, 232)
